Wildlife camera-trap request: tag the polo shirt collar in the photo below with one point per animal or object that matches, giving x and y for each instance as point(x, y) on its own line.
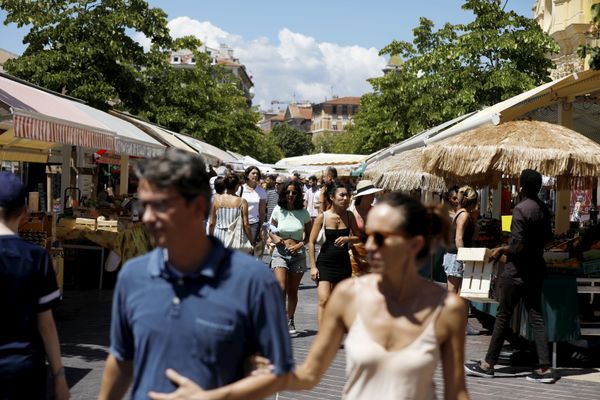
point(209, 268)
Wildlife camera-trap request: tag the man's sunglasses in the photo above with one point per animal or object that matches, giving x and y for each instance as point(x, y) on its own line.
point(378, 236)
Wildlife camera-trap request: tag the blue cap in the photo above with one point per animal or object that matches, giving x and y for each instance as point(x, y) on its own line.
point(12, 191)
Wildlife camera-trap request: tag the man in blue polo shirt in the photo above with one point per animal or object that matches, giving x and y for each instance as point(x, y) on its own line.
point(190, 304)
point(28, 292)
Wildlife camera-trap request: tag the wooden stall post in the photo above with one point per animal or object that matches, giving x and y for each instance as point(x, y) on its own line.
point(124, 183)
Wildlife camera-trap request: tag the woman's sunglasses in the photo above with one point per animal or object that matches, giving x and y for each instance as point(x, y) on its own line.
point(378, 236)
point(292, 192)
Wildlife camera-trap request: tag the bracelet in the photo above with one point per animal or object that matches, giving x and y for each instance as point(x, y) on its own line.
point(59, 372)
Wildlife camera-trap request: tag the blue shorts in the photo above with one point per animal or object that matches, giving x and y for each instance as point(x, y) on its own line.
point(295, 263)
point(452, 267)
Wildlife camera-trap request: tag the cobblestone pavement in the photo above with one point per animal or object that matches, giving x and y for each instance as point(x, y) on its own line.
point(84, 320)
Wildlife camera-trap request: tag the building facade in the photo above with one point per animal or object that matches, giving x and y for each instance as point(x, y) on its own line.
point(569, 24)
point(334, 115)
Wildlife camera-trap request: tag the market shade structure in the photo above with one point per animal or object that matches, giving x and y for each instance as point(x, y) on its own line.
point(322, 159)
point(482, 156)
point(42, 116)
point(403, 171)
point(212, 154)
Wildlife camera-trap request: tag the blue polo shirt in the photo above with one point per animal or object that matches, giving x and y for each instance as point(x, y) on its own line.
point(204, 325)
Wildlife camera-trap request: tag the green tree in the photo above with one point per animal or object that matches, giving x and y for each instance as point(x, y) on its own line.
point(451, 71)
point(84, 48)
point(293, 142)
point(332, 142)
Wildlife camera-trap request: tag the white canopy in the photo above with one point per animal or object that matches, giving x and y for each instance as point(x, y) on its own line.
point(322, 159)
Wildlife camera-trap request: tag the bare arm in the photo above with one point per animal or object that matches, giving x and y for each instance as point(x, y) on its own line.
point(461, 225)
point(306, 376)
point(213, 218)
point(314, 273)
point(47, 330)
point(452, 323)
point(245, 221)
point(262, 211)
point(116, 379)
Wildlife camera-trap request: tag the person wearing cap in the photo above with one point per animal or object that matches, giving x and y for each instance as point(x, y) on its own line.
point(28, 292)
point(363, 200)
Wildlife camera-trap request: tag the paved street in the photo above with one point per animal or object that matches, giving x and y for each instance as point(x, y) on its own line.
point(84, 325)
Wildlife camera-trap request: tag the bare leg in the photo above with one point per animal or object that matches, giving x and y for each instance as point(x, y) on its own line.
point(454, 283)
point(293, 282)
point(323, 291)
point(281, 276)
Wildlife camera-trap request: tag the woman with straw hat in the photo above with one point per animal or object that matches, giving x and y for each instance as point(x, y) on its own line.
point(363, 200)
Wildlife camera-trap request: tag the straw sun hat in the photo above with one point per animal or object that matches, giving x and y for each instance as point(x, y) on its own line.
point(366, 187)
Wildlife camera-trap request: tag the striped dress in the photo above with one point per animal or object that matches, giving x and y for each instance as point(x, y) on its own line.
point(225, 217)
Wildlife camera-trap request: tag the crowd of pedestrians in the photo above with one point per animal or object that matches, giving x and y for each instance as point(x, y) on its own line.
point(192, 318)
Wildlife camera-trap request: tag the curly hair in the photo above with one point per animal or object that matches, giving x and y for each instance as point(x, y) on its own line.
point(298, 201)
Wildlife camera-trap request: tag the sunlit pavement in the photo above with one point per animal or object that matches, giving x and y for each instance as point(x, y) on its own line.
point(84, 320)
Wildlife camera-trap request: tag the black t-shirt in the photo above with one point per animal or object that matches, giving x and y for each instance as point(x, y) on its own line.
point(27, 287)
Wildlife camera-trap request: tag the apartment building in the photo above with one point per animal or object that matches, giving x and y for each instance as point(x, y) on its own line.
point(333, 115)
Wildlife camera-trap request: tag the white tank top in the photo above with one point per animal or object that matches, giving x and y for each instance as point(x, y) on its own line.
point(372, 372)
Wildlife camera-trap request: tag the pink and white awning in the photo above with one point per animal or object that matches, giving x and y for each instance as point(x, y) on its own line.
point(35, 126)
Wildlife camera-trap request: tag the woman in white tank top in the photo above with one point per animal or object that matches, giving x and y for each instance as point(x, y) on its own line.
point(399, 325)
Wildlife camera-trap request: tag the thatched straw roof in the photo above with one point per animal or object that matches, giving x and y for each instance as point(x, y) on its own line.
point(483, 155)
point(403, 172)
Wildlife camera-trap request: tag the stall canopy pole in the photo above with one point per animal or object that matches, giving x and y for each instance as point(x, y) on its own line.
point(124, 182)
point(497, 200)
point(65, 179)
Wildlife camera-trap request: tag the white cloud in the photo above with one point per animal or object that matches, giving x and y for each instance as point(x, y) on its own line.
point(296, 67)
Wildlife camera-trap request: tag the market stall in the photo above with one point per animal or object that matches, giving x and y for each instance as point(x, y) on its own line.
point(492, 153)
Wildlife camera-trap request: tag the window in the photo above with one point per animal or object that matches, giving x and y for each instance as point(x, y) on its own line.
point(193, 60)
point(334, 110)
point(176, 59)
point(344, 110)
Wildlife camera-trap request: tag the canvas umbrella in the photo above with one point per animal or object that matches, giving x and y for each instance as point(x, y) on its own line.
point(403, 172)
point(483, 156)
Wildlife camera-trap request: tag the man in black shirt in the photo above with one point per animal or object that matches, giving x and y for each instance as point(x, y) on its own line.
point(28, 292)
point(522, 279)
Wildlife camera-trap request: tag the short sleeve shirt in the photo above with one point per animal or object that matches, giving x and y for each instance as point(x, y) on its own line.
point(253, 197)
point(204, 325)
point(27, 287)
point(290, 223)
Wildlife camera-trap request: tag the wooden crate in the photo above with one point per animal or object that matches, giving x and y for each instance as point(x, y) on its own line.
point(85, 223)
point(479, 278)
point(108, 225)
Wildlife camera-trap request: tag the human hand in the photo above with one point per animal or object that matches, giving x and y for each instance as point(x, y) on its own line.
point(495, 254)
point(61, 388)
point(342, 240)
point(186, 389)
point(258, 365)
point(314, 274)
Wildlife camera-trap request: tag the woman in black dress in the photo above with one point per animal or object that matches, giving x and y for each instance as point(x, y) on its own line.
point(333, 263)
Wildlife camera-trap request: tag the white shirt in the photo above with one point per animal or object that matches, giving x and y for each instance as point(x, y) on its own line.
point(312, 201)
point(253, 197)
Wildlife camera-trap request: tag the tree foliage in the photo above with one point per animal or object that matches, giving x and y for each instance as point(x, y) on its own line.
point(292, 141)
point(84, 48)
point(332, 142)
point(451, 71)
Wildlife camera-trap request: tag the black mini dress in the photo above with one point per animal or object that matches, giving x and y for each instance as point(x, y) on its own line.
point(333, 262)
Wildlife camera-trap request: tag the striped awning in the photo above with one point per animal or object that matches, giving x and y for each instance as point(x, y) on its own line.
point(34, 126)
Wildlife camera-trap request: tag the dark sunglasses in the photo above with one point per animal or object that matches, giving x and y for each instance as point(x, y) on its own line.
point(292, 192)
point(378, 236)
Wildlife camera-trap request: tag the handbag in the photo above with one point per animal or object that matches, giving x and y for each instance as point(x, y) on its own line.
point(235, 238)
point(321, 236)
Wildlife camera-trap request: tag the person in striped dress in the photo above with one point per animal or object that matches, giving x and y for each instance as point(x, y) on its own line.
point(226, 208)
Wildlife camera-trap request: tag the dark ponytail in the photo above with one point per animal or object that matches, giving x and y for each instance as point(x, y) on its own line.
point(231, 181)
point(430, 221)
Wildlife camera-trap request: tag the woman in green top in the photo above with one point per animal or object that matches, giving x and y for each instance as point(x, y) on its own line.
point(290, 225)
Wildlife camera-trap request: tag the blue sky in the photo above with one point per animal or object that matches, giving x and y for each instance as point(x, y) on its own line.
point(307, 50)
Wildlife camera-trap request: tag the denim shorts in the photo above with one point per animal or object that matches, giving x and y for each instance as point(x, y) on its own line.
point(452, 267)
point(295, 263)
